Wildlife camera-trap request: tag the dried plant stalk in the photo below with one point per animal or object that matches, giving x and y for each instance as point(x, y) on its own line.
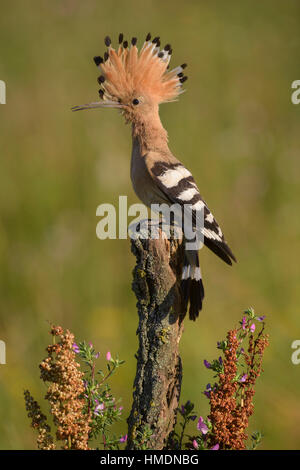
point(231, 401)
point(39, 422)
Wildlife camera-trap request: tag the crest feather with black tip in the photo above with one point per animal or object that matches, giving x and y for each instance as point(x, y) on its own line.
point(129, 71)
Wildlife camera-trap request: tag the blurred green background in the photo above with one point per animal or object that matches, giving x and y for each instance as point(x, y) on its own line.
point(235, 128)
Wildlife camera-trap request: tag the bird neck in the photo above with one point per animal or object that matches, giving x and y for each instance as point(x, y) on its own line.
point(150, 133)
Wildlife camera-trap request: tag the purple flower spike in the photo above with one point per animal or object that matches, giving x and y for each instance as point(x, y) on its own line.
point(207, 391)
point(215, 447)
point(96, 356)
point(207, 364)
point(193, 417)
point(76, 348)
point(252, 328)
point(244, 321)
point(123, 438)
point(195, 444)
point(261, 318)
point(98, 409)
point(220, 360)
point(243, 378)
point(201, 426)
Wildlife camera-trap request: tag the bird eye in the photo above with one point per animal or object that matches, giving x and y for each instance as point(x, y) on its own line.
point(135, 101)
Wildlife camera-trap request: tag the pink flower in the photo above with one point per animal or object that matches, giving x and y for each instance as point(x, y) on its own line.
point(215, 447)
point(75, 348)
point(252, 328)
point(108, 356)
point(243, 378)
point(244, 321)
point(123, 438)
point(201, 426)
point(195, 444)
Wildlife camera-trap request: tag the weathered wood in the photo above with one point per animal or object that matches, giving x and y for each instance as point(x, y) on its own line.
point(156, 284)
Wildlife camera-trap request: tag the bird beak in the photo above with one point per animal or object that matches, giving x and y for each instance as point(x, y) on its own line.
point(98, 104)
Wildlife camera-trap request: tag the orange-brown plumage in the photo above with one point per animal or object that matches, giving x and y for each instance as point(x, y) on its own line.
point(129, 72)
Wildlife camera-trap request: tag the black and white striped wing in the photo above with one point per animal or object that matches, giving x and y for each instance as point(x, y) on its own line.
point(179, 186)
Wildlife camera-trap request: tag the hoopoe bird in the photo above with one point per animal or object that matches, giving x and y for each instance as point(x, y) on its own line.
point(136, 83)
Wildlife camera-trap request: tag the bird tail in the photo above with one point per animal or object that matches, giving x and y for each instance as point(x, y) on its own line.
point(191, 284)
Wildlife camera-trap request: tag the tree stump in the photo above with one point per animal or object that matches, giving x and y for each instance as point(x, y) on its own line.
point(157, 385)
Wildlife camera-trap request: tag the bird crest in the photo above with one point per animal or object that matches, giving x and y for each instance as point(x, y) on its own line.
point(128, 73)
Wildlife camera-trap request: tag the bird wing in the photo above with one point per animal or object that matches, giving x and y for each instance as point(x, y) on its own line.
point(178, 185)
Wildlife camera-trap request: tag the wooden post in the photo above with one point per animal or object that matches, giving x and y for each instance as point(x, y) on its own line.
point(156, 284)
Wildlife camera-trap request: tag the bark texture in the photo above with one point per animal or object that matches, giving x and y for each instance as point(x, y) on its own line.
point(156, 284)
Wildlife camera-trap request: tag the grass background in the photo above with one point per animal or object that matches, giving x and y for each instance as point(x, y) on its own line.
point(235, 128)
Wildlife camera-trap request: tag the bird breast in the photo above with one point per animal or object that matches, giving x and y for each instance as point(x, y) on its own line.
point(142, 182)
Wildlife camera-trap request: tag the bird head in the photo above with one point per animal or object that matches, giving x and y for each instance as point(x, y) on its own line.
point(136, 82)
